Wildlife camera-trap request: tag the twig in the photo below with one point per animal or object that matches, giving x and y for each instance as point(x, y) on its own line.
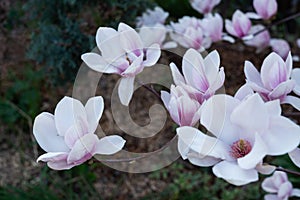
point(29, 122)
point(139, 157)
point(287, 171)
point(277, 23)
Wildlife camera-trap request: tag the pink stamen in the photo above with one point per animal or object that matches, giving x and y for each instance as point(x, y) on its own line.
point(240, 148)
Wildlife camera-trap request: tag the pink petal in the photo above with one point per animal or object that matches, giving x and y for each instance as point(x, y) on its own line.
point(83, 149)
point(271, 197)
point(135, 67)
point(60, 165)
point(281, 47)
point(285, 190)
point(109, 145)
point(125, 89)
point(94, 109)
point(229, 28)
point(74, 133)
point(233, 174)
point(97, 63)
point(46, 135)
point(67, 113)
point(282, 90)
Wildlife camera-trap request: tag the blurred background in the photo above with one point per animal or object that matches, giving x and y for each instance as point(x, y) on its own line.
point(40, 47)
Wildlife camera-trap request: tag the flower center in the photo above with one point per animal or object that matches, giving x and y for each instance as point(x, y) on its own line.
point(240, 148)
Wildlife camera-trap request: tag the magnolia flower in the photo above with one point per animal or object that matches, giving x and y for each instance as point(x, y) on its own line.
point(152, 17)
point(212, 26)
point(298, 42)
point(265, 9)
point(189, 33)
point(201, 77)
point(68, 135)
point(123, 53)
point(184, 110)
point(260, 41)
point(281, 47)
point(280, 187)
point(239, 26)
point(204, 6)
point(244, 132)
point(295, 156)
point(155, 35)
point(274, 81)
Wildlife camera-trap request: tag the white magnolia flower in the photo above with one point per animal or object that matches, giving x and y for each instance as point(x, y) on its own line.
point(244, 132)
point(152, 17)
point(122, 52)
point(68, 135)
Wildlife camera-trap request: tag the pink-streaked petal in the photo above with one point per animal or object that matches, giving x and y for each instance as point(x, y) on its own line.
point(202, 144)
point(60, 165)
point(296, 77)
point(229, 28)
point(281, 129)
point(255, 156)
point(109, 145)
point(46, 135)
point(293, 101)
point(282, 90)
point(97, 63)
point(129, 38)
point(83, 149)
point(94, 109)
point(252, 74)
point(67, 113)
point(268, 184)
point(125, 89)
point(215, 116)
point(53, 157)
point(177, 77)
point(254, 110)
point(265, 169)
point(152, 55)
point(257, 88)
point(241, 23)
point(135, 67)
point(74, 133)
point(243, 92)
point(233, 174)
point(295, 156)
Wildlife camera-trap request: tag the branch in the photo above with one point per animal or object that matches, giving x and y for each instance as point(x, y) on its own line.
point(287, 171)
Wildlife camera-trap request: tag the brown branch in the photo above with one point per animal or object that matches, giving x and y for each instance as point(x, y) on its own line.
point(287, 171)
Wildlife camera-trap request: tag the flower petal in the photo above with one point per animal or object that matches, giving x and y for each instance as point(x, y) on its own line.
point(67, 113)
point(177, 77)
point(233, 174)
point(94, 108)
point(243, 92)
point(129, 38)
point(282, 90)
point(52, 157)
point(109, 145)
point(295, 156)
point(46, 135)
point(152, 55)
point(265, 169)
point(97, 63)
point(296, 77)
point(211, 66)
point(294, 101)
point(252, 74)
point(125, 89)
point(60, 165)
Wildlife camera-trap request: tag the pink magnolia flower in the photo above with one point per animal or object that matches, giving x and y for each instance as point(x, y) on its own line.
point(184, 110)
point(260, 41)
point(212, 26)
point(201, 77)
point(152, 17)
point(239, 26)
point(68, 135)
point(244, 132)
point(123, 53)
point(280, 187)
point(281, 47)
point(155, 35)
point(204, 6)
point(265, 9)
point(274, 81)
point(298, 42)
point(189, 33)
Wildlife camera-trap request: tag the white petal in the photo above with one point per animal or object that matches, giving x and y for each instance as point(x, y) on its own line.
point(282, 89)
point(109, 145)
point(273, 107)
point(200, 160)
point(135, 67)
point(125, 90)
point(94, 109)
point(45, 133)
point(169, 45)
point(233, 174)
point(215, 116)
point(152, 55)
point(271, 197)
point(295, 156)
point(255, 116)
point(60, 165)
point(294, 101)
point(52, 157)
point(129, 38)
point(97, 63)
point(252, 74)
point(252, 15)
point(265, 169)
point(255, 156)
point(177, 77)
point(211, 65)
point(243, 92)
point(296, 77)
point(295, 192)
point(282, 136)
point(67, 113)
point(165, 97)
point(228, 39)
point(74, 133)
